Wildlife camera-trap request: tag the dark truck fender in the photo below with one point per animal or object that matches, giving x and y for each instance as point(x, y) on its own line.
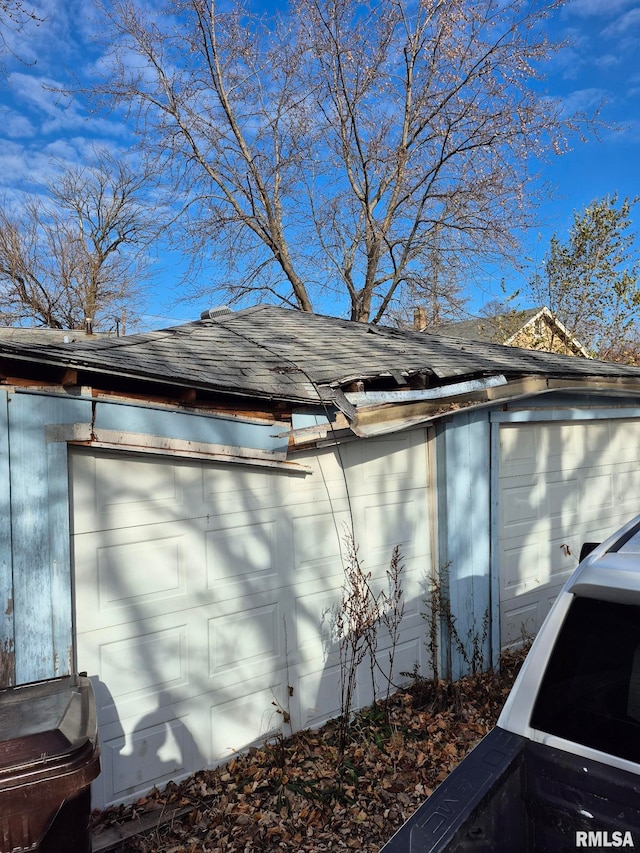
point(447, 816)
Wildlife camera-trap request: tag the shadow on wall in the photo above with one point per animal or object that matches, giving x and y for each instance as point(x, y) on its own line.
point(200, 590)
point(160, 748)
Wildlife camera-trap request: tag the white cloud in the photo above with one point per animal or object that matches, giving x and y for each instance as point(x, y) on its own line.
point(624, 24)
point(15, 125)
point(51, 112)
point(597, 8)
point(40, 95)
point(583, 100)
point(21, 166)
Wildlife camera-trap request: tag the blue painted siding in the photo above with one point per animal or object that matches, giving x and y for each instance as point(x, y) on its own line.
point(201, 427)
point(40, 534)
point(7, 664)
point(464, 489)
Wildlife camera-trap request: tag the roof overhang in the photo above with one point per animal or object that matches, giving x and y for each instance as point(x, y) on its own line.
point(370, 414)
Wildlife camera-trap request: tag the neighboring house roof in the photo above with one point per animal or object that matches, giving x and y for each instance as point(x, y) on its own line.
point(533, 328)
point(277, 354)
point(44, 335)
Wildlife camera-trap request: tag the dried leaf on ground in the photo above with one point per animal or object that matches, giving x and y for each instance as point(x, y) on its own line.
point(295, 795)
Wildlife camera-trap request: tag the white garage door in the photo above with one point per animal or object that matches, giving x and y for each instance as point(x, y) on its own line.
point(560, 484)
point(203, 594)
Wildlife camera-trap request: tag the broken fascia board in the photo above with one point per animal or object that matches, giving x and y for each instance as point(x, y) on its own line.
point(320, 431)
point(443, 392)
point(406, 409)
point(613, 384)
point(381, 420)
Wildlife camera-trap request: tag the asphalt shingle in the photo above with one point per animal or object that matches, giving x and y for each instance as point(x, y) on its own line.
point(273, 352)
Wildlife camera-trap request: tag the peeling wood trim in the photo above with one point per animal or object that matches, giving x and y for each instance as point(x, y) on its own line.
point(246, 458)
point(180, 445)
point(601, 383)
point(82, 434)
point(317, 432)
point(371, 421)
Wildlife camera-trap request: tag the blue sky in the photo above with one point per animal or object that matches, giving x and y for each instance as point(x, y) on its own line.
point(603, 63)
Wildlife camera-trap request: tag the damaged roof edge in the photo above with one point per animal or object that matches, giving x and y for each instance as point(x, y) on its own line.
point(309, 393)
point(364, 398)
point(384, 418)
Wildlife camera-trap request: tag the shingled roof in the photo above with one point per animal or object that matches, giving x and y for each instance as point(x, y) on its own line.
point(515, 327)
point(277, 353)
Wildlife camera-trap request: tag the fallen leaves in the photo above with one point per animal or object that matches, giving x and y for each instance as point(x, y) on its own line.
point(296, 795)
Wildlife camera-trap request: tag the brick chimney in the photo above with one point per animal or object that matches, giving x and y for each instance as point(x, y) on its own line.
point(419, 319)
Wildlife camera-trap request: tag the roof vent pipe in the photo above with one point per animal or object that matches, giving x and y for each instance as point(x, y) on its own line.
point(218, 311)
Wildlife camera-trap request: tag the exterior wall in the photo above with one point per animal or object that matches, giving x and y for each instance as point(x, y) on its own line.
point(378, 488)
point(464, 555)
point(35, 537)
point(7, 648)
point(35, 561)
point(544, 337)
point(225, 634)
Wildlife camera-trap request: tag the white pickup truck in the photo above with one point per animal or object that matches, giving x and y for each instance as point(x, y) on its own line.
point(561, 769)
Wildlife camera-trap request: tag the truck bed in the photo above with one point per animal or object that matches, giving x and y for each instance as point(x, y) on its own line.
point(510, 794)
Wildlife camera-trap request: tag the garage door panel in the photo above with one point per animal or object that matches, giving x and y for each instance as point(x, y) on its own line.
point(244, 643)
point(534, 564)
point(525, 451)
point(562, 501)
point(194, 627)
point(559, 485)
point(518, 451)
point(612, 443)
point(625, 448)
point(230, 721)
point(141, 570)
point(384, 464)
point(520, 507)
point(598, 492)
point(152, 754)
point(159, 746)
point(523, 617)
point(317, 538)
point(116, 492)
point(230, 491)
point(121, 583)
point(241, 559)
point(388, 523)
point(137, 485)
point(155, 660)
point(537, 501)
point(314, 608)
point(627, 489)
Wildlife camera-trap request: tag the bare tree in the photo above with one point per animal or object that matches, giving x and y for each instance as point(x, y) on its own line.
point(77, 252)
point(14, 15)
point(333, 149)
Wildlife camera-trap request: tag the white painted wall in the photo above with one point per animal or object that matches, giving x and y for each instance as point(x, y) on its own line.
point(203, 595)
